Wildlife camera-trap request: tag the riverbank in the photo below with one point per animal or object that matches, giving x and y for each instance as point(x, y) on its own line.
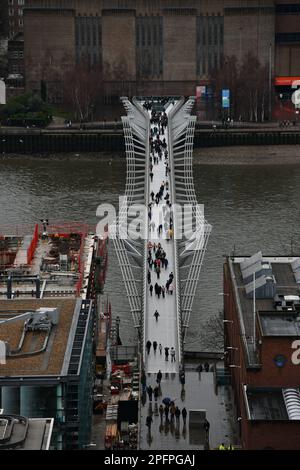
point(235, 155)
point(252, 155)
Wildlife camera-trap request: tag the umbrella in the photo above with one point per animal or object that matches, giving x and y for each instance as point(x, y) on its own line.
point(166, 401)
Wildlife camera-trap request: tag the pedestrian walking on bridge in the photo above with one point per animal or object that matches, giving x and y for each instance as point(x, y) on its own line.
point(156, 393)
point(161, 412)
point(177, 415)
point(172, 354)
point(158, 377)
point(156, 315)
point(148, 346)
point(184, 415)
point(167, 353)
point(150, 392)
point(148, 423)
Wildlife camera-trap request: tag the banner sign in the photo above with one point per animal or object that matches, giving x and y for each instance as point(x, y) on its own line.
point(225, 98)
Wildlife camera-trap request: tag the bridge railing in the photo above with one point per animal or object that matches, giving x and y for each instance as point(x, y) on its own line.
point(176, 108)
point(143, 339)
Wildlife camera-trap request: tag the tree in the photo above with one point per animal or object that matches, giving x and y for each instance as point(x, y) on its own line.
point(248, 85)
point(83, 88)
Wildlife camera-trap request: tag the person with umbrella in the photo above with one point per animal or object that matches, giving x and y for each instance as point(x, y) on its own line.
point(166, 353)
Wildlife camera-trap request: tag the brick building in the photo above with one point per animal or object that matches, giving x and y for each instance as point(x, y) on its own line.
point(3, 19)
point(157, 46)
point(15, 16)
point(262, 333)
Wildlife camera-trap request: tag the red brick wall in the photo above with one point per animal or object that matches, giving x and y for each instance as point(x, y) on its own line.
point(49, 45)
point(276, 435)
point(259, 435)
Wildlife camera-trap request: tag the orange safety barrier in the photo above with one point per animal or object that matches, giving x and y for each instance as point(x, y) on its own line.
point(33, 244)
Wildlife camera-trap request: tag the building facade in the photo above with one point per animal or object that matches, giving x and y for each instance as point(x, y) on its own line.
point(261, 326)
point(15, 16)
point(157, 46)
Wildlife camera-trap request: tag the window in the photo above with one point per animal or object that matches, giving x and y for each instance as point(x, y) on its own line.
point(20, 12)
point(88, 39)
point(209, 47)
point(149, 43)
point(21, 2)
point(291, 8)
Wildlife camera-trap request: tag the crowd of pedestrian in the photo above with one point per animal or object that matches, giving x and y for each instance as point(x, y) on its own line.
point(160, 226)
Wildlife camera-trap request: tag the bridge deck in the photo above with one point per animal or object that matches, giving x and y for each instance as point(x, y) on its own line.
point(165, 330)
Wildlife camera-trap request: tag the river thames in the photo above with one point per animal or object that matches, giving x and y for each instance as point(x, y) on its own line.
point(251, 208)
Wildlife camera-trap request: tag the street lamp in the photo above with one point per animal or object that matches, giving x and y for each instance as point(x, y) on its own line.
point(223, 293)
point(228, 321)
point(91, 444)
point(234, 366)
point(231, 348)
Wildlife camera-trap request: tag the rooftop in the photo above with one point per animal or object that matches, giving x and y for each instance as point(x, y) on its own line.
point(20, 433)
point(266, 404)
point(272, 404)
point(28, 361)
point(276, 291)
point(280, 324)
point(45, 261)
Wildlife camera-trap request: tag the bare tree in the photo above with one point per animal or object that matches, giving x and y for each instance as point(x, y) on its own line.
point(248, 85)
point(83, 87)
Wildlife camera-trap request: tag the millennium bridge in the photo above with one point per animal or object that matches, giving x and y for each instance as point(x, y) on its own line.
point(159, 179)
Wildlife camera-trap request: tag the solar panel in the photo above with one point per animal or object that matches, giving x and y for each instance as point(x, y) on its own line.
point(250, 270)
point(261, 281)
point(295, 264)
point(252, 260)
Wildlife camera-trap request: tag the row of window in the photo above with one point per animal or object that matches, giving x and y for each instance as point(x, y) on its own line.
point(11, 12)
point(16, 54)
point(88, 38)
point(149, 46)
point(287, 37)
point(149, 43)
point(210, 39)
point(288, 8)
point(16, 2)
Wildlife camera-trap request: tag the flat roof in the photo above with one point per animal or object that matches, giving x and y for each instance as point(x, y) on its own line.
point(279, 324)
point(285, 285)
point(266, 404)
point(49, 362)
point(20, 433)
point(57, 265)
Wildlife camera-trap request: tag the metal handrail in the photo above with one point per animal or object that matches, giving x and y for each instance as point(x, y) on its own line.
point(172, 113)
